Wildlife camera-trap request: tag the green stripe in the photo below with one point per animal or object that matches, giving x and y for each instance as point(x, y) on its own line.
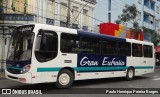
point(14, 68)
point(98, 68)
point(143, 67)
point(47, 69)
point(92, 68)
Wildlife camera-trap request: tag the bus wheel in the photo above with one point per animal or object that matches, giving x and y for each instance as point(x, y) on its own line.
point(65, 79)
point(130, 74)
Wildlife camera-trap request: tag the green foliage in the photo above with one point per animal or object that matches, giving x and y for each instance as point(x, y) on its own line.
point(129, 14)
point(156, 38)
point(1, 3)
point(117, 21)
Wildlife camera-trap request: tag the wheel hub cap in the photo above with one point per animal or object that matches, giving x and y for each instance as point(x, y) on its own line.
point(64, 79)
point(130, 73)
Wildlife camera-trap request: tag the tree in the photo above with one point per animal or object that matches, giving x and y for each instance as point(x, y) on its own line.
point(155, 38)
point(1, 6)
point(129, 15)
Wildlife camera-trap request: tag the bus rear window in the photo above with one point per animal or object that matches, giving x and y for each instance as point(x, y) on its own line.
point(148, 51)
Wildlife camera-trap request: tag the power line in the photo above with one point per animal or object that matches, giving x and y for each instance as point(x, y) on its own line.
point(118, 4)
point(122, 3)
point(81, 10)
point(65, 6)
point(32, 7)
point(43, 17)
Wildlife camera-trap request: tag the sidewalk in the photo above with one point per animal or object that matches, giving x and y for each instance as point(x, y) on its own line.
point(2, 75)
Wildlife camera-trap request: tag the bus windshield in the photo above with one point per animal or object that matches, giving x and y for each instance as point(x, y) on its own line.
point(21, 44)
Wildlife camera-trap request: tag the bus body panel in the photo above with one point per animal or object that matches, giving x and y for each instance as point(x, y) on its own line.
point(48, 71)
point(142, 65)
point(44, 72)
point(24, 78)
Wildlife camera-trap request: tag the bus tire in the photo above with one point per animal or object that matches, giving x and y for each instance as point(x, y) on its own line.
point(130, 74)
point(65, 79)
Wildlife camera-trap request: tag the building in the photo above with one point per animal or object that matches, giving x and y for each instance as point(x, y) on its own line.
point(148, 14)
point(52, 12)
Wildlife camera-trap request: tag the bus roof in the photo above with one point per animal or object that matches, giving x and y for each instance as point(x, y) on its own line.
point(137, 41)
point(53, 28)
point(102, 36)
point(85, 33)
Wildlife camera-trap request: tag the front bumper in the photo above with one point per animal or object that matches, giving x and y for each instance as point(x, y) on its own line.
point(24, 78)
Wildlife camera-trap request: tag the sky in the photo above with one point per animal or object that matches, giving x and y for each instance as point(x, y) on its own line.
point(101, 9)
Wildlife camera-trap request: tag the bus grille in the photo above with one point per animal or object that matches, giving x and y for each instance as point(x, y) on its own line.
point(13, 71)
point(12, 77)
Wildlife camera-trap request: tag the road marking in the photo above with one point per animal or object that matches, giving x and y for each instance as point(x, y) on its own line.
point(155, 76)
point(156, 79)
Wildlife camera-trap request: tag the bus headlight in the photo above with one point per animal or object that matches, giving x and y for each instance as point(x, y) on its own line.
point(25, 69)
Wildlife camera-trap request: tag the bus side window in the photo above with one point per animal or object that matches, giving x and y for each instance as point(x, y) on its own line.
point(95, 45)
point(70, 43)
point(136, 50)
point(147, 51)
point(86, 45)
point(109, 47)
point(47, 46)
point(90, 45)
point(124, 49)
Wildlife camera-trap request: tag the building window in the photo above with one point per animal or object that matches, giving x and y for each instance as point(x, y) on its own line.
point(140, 1)
point(63, 12)
point(75, 14)
point(63, 24)
point(157, 9)
point(75, 26)
point(50, 9)
point(20, 6)
point(157, 23)
point(49, 21)
point(85, 17)
point(85, 28)
point(139, 15)
point(151, 19)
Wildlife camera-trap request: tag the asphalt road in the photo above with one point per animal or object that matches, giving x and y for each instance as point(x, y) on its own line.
point(146, 81)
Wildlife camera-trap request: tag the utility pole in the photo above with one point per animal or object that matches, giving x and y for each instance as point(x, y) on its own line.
point(109, 11)
point(68, 14)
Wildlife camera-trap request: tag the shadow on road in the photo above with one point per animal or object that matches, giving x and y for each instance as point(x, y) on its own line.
point(50, 88)
point(105, 81)
point(83, 83)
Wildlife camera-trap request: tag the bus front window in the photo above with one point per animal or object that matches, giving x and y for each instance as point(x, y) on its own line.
point(21, 46)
